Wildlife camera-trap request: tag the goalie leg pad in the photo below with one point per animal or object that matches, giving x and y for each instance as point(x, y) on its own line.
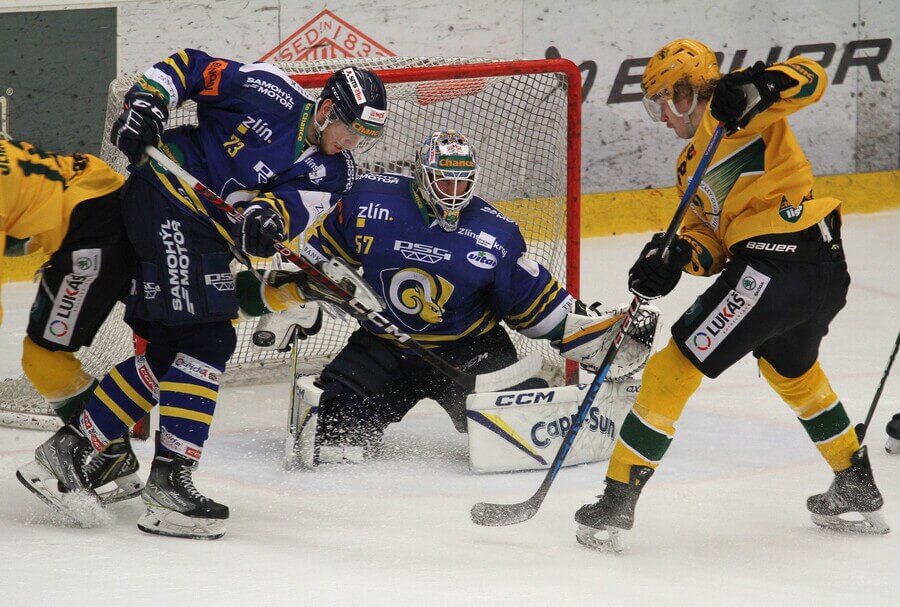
point(365, 389)
point(522, 429)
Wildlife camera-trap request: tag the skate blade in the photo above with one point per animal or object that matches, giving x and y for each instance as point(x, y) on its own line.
point(870, 523)
point(126, 487)
point(160, 521)
point(604, 539)
point(79, 507)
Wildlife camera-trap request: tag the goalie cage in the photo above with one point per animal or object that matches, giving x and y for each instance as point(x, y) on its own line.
point(525, 119)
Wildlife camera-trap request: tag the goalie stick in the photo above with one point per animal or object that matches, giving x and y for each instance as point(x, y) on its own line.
point(496, 515)
point(485, 382)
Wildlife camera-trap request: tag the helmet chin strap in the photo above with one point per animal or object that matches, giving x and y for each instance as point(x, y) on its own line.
point(319, 128)
point(686, 116)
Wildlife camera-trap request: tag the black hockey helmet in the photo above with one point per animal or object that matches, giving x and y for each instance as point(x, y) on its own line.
point(359, 98)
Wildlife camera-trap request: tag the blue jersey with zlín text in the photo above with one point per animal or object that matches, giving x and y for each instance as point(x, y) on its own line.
point(250, 140)
point(440, 287)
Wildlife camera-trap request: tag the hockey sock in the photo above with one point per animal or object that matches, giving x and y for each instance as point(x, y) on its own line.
point(819, 410)
point(58, 377)
point(187, 400)
point(668, 382)
point(124, 396)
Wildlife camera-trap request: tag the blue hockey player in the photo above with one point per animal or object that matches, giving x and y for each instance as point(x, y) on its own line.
point(278, 155)
point(449, 267)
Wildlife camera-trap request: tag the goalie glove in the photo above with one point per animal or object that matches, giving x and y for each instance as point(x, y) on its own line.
point(588, 334)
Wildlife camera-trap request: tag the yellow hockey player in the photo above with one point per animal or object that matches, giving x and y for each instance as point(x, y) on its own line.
point(68, 207)
point(781, 279)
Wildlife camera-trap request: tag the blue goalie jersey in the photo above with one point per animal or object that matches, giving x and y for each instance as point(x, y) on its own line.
point(252, 142)
point(440, 287)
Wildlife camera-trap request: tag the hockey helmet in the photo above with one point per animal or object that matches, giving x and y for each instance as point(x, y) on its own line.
point(358, 100)
point(683, 60)
point(446, 171)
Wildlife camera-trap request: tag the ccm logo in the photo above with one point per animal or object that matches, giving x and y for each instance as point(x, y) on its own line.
point(771, 246)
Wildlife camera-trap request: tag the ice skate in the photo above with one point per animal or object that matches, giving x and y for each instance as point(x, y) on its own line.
point(59, 476)
point(601, 526)
point(174, 506)
point(893, 431)
point(853, 492)
point(116, 464)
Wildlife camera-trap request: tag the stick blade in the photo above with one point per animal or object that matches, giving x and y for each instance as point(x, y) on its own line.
point(509, 376)
point(500, 515)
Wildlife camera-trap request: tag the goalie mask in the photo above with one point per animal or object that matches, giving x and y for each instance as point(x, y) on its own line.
point(446, 172)
point(359, 105)
point(683, 61)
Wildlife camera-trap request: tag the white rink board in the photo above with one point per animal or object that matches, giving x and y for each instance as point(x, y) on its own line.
point(622, 148)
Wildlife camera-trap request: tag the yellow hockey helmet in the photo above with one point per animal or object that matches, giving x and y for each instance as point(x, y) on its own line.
point(681, 60)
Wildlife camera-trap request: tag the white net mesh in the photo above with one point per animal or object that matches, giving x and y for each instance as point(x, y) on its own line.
point(518, 122)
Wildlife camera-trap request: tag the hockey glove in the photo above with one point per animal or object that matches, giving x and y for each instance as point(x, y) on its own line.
point(339, 272)
point(651, 276)
point(262, 228)
point(139, 125)
point(731, 103)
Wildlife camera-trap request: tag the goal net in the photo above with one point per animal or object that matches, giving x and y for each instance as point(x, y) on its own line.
point(524, 118)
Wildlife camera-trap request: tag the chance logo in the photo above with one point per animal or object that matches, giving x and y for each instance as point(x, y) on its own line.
point(326, 36)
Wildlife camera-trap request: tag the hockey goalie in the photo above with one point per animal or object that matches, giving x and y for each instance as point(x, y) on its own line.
point(449, 268)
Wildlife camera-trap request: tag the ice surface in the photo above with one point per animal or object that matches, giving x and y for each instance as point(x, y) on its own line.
point(723, 522)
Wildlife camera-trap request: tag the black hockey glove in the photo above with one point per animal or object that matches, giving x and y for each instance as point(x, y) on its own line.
point(652, 277)
point(262, 228)
point(730, 104)
point(139, 125)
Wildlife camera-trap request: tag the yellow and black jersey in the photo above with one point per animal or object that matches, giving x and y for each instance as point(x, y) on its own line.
point(39, 191)
point(759, 181)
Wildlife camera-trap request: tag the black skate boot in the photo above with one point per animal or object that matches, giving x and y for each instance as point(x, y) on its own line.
point(58, 475)
point(852, 491)
point(893, 431)
point(612, 514)
point(118, 464)
point(174, 506)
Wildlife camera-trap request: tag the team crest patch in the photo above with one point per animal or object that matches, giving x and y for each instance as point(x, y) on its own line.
point(788, 212)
